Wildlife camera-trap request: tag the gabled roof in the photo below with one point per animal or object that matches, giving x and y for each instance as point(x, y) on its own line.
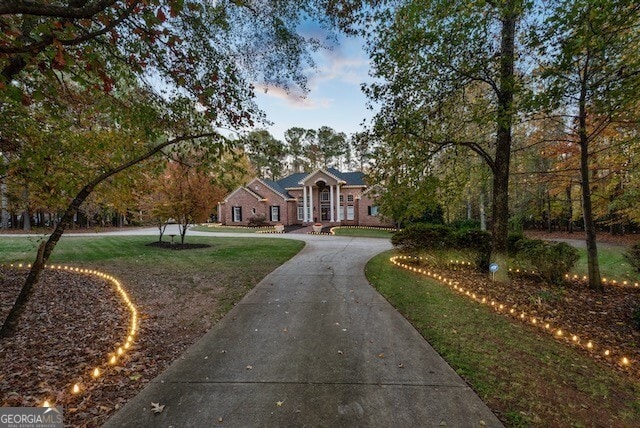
point(276, 187)
point(355, 178)
point(254, 194)
point(324, 171)
point(291, 180)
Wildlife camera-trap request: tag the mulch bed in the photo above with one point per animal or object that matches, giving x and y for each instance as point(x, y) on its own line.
point(73, 323)
point(177, 246)
point(605, 319)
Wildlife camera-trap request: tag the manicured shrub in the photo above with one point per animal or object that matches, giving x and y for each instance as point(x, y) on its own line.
point(513, 239)
point(257, 221)
point(550, 260)
point(465, 224)
point(420, 236)
point(633, 257)
point(476, 240)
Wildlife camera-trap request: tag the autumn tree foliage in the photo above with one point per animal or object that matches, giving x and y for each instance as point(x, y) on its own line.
point(189, 195)
point(170, 72)
point(591, 69)
point(447, 76)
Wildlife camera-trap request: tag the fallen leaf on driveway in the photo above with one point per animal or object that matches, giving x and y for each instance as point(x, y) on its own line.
point(249, 367)
point(279, 403)
point(157, 408)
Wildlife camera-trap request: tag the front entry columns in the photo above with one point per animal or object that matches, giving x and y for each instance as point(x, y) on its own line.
point(331, 206)
point(311, 202)
point(338, 201)
point(305, 217)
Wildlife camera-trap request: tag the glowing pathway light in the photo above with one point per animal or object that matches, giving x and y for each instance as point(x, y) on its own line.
point(516, 313)
point(119, 349)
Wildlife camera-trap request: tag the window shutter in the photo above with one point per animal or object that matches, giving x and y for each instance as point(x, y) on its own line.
point(240, 213)
point(369, 210)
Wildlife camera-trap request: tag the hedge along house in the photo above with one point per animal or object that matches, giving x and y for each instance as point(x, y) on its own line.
point(325, 196)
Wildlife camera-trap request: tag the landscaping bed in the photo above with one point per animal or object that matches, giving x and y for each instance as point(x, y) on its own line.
point(604, 319)
point(526, 376)
point(74, 322)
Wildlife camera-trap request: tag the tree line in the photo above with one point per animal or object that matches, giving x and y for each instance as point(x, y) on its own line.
point(518, 108)
point(304, 150)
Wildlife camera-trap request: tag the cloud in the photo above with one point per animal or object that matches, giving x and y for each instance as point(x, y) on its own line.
point(344, 64)
point(296, 99)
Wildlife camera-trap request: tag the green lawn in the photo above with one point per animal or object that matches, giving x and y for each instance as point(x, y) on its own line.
point(133, 250)
point(526, 378)
point(362, 232)
point(225, 229)
point(612, 264)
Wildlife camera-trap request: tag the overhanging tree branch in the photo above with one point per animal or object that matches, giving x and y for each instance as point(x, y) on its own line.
point(46, 248)
point(81, 11)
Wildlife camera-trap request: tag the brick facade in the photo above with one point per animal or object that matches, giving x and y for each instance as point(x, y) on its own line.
point(267, 199)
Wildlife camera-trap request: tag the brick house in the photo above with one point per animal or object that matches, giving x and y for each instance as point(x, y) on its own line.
point(325, 196)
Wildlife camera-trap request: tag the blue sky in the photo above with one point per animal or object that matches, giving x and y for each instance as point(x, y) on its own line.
point(334, 99)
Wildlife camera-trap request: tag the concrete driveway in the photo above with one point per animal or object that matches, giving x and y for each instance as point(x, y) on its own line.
point(312, 345)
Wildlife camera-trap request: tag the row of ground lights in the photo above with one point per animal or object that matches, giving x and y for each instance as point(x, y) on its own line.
point(133, 326)
point(391, 229)
point(499, 307)
point(605, 281)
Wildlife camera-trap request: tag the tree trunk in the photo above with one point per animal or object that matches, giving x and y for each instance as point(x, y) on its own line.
point(5, 203)
point(44, 251)
point(182, 228)
point(12, 320)
point(593, 266)
point(483, 215)
point(569, 209)
point(500, 223)
point(26, 214)
point(549, 225)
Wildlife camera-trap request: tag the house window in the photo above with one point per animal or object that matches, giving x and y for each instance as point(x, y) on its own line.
point(372, 210)
point(350, 212)
point(324, 195)
point(349, 198)
point(275, 213)
point(300, 208)
point(341, 198)
point(237, 214)
point(341, 213)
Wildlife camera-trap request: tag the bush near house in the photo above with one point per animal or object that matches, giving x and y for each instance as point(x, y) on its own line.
point(633, 256)
point(258, 221)
point(421, 236)
point(478, 241)
point(550, 260)
point(435, 237)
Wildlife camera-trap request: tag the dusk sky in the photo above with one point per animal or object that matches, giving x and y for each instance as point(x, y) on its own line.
point(334, 100)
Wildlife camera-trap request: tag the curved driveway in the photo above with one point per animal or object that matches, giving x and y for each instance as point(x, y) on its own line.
point(313, 344)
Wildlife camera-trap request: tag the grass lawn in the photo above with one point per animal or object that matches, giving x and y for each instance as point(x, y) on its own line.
point(225, 229)
point(180, 294)
point(525, 377)
point(366, 233)
point(227, 269)
point(613, 265)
